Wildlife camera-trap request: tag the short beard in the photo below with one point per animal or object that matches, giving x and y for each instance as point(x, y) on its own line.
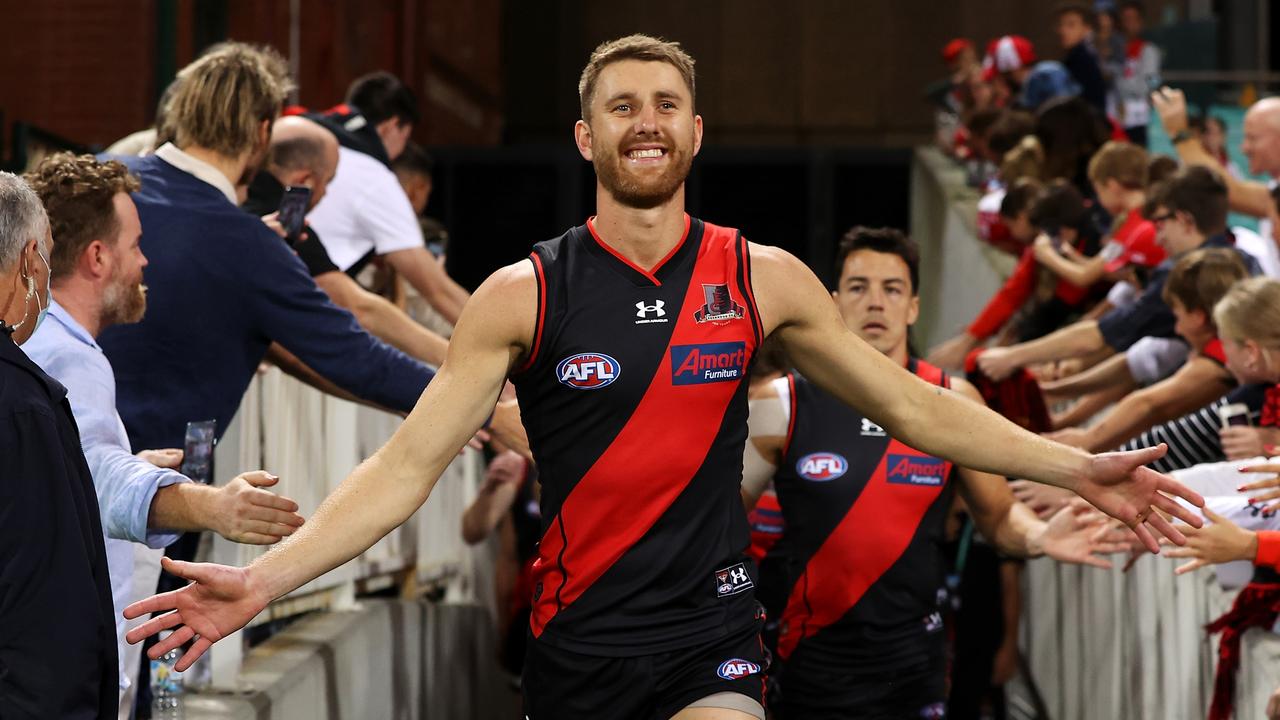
point(123, 304)
point(641, 196)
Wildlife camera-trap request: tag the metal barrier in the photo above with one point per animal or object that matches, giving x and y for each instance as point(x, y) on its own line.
point(312, 442)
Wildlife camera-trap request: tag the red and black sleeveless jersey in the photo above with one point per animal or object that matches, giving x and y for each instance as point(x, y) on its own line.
point(864, 520)
point(634, 398)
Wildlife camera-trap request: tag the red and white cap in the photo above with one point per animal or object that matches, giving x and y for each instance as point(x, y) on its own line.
point(1007, 53)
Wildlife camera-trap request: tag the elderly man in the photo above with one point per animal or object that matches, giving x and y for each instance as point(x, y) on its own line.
point(1261, 146)
point(57, 644)
point(96, 271)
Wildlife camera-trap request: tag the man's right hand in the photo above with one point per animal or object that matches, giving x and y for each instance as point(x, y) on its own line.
point(219, 601)
point(245, 513)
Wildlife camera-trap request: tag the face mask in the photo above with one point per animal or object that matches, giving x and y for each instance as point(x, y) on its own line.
point(31, 291)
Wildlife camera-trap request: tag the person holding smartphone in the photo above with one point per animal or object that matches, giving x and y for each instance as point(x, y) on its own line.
point(1248, 318)
point(301, 160)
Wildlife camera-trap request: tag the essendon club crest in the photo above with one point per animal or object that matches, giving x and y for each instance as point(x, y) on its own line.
point(720, 307)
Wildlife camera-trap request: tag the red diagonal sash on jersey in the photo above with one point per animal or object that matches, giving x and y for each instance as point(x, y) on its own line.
point(652, 460)
point(867, 542)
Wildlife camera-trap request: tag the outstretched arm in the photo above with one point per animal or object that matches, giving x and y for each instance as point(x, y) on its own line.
point(426, 274)
point(795, 306)
point(1074, 340)
point(493, 501)
point(1079, 273)
point(1016, 530)
point(766, 438)
point(379, 495)
point(1198, 382)
point(388, 322)
point(1110, 373)
point(1245, 196)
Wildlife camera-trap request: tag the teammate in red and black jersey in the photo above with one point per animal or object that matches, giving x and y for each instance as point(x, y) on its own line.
point(862, 629)
point(643, 598)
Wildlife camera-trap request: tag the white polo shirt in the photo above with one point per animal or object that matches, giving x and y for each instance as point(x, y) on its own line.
point(364, 209)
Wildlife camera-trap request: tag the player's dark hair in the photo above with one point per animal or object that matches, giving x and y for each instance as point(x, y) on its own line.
point(380, 96)
point(882, 240)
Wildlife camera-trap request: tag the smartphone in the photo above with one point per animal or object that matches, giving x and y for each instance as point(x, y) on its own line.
point(197, 450)
point(293, 211)
point(1234, 414)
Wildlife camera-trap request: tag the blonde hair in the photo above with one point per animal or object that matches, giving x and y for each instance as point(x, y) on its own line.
point(632, 47)
point(221, 98)
point(1250, 311)
point(1025, 160)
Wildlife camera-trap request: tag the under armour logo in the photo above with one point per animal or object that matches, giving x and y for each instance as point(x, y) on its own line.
point(870, 429)
point(738, 575)
point(642, 310)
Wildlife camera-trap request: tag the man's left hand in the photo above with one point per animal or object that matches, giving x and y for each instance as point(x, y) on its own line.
point(1121, 485)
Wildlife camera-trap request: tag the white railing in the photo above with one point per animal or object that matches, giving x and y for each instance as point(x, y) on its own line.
point(1107, 644)
point(313, 441)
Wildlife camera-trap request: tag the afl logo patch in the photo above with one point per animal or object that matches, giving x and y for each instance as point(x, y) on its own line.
point(588, 371)
point(822, 467)
point(736, 669)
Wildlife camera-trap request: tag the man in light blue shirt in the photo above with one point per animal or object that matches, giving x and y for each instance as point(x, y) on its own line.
point(97, 282)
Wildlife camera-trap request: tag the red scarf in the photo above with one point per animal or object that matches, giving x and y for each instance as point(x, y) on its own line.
point(1257, 606)
point(1017, 397)
point(1271, 408)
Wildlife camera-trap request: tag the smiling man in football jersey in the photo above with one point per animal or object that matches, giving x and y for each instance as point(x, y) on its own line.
point(643, 603)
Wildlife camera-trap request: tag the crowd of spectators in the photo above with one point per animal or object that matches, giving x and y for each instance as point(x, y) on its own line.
point(104, 376)
point(1136, 315)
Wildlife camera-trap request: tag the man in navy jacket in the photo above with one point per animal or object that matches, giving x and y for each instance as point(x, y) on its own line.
point(221, 284)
